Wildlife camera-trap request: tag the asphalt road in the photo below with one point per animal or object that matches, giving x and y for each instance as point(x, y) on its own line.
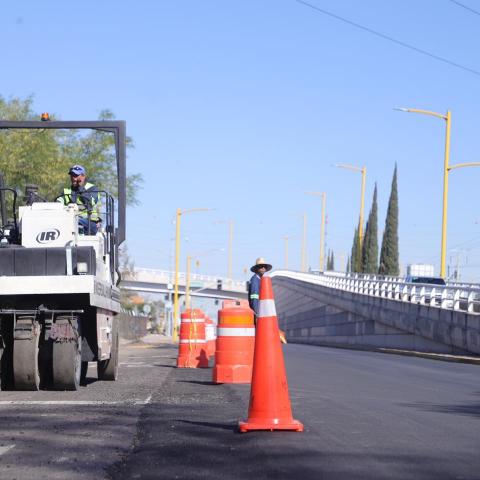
point(366, 416)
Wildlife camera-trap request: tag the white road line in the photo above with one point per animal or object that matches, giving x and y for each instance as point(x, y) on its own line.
point(5, 449)
point(73, 402)
point(58, 402)
point(150, 356)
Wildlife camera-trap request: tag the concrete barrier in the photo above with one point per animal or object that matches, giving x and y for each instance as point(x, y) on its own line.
point(132, 327)
point(319, 315)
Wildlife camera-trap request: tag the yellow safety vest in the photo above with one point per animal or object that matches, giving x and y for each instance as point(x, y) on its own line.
point(83, 212)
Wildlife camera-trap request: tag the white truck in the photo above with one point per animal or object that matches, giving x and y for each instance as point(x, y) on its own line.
point(59, 292)
point(420, 270)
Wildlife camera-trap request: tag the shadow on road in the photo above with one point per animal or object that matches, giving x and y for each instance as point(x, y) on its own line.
point(469, 409)
point(197, 382)
point(85, 382)
point(233, 427)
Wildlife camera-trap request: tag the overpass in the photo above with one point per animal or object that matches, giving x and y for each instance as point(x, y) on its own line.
point(371, 311)
point(354, 310)
point(150, 280)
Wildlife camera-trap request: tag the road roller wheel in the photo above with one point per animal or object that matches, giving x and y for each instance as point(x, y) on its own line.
point(66, 353)
point(6, 354)
point(108, 369)
point(26, 373)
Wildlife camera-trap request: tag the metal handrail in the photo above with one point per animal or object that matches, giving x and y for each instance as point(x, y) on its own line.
point(463, 298)
point(168, 276)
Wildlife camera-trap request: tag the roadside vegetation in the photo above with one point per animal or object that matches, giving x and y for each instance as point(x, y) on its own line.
point(43, 157)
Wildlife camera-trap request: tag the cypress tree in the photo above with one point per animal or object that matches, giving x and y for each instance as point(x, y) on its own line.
point(353, 255)
point(389, 252)
point(348, 265)
point(370, 241)
point(356, 257)
point(332, 262)
point(366, 240)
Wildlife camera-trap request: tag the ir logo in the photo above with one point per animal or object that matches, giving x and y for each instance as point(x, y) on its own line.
point(48, 235)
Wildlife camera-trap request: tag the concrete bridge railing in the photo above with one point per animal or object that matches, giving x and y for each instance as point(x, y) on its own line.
point(340, 310)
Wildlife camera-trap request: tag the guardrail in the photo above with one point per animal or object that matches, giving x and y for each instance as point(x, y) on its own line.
point(459, 298)
point(165, 276)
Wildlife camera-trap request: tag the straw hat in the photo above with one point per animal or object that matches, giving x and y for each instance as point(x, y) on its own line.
point(260, 262)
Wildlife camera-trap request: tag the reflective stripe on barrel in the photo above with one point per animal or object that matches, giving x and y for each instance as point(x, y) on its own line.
point(236, 332)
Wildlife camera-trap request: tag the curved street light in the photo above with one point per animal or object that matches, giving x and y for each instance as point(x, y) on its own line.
point(363, 171)
point(446, 169)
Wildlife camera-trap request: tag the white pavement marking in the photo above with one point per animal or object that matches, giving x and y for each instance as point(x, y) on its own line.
point(5, 449)
point(136, 366)
point(150, 356)
point(74, 402)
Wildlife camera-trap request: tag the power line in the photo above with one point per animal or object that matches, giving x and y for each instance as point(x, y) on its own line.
point(466, 7)
point(390, 39)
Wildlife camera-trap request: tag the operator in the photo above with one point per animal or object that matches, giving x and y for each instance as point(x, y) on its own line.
point(258, 269)
point(84, 194)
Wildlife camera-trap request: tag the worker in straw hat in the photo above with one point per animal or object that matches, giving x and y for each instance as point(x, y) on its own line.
point(258, 269)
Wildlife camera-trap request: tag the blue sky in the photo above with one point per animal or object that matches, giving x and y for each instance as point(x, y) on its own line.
point(243, 105)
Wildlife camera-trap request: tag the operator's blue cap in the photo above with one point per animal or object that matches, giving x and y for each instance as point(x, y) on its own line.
point(77, 170)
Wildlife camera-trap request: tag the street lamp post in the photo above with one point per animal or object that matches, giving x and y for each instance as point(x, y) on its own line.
point(322, 228)
point(177, 264)
point(363, 171)
point(286, 238)
point(446, 169)
point(187, 282)
point(304, 245)
point(230, 247)
point(189, 273)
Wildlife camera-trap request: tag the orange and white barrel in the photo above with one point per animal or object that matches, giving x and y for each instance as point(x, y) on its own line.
point(235, 343)
point(192, 347)
point(210, 336)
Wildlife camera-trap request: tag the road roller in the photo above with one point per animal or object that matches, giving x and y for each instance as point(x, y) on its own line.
point(59, 295)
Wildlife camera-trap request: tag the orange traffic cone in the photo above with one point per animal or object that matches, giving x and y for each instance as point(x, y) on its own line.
point(269, 400)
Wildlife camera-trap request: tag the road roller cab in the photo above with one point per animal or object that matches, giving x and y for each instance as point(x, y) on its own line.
point(59, 293)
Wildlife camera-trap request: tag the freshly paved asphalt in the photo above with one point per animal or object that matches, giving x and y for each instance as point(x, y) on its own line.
point(366, 416)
